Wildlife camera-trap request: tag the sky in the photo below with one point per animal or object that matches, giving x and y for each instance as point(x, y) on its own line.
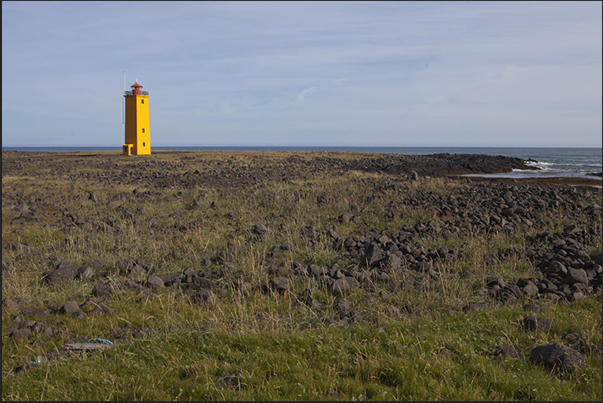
point(399, 74)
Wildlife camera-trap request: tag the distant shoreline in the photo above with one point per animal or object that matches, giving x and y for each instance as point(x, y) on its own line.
point(473, 166)
point(281, 148)
point(550, 162)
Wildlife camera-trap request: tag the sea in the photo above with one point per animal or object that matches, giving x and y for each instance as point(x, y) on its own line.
point(551, 161)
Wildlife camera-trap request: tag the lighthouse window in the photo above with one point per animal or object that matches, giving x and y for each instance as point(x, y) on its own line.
point(143, 129)
point(142, 101)
point(143, 144)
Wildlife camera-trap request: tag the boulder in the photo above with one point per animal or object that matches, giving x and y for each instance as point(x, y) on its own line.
point(70, 307)
point(508, 351)
point(343, 284)
point(576, 276)
point(103, 309)
point(557, 356)
point(373, 254)
point(62, 272)
point(85, 272)
point(23, 333)
point(508, 212)
point(202, 281)
point(495, 280)
point(533, 324)
point(279, 284)
point(530, 289)
point(393, 262)
point(170, 278)
point(154, 281)
point(79, 315)
point(259, 229)
point(100, 290)
point(557, 267)
point(335, 273)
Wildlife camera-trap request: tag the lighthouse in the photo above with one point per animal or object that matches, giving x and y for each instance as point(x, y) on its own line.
point(138, 136)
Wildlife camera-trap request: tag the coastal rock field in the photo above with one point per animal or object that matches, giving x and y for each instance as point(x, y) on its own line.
point(213, 275)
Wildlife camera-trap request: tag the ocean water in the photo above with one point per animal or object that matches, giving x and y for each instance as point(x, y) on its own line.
point(552, 162)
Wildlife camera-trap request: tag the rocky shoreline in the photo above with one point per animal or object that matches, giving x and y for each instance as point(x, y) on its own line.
point(233, 171)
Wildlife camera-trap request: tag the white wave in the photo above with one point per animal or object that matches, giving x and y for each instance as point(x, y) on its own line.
point(587, 165)
point(542, 166)
point(538, 163)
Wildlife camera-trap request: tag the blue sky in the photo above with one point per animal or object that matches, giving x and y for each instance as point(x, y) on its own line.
point(509, 74)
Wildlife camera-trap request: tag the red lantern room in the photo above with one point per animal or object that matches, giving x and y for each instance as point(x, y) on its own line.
point(136, 88)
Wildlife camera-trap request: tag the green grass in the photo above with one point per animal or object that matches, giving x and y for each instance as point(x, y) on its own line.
point(394, 360)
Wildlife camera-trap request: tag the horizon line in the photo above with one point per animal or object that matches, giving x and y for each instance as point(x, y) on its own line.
point(295, 146)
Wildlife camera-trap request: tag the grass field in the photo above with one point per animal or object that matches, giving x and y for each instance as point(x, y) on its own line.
point(378, 341)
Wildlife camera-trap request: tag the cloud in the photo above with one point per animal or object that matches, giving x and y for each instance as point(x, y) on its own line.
point(302, 95)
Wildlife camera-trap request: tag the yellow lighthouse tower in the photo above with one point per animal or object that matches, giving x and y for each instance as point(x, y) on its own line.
point(138, 136)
